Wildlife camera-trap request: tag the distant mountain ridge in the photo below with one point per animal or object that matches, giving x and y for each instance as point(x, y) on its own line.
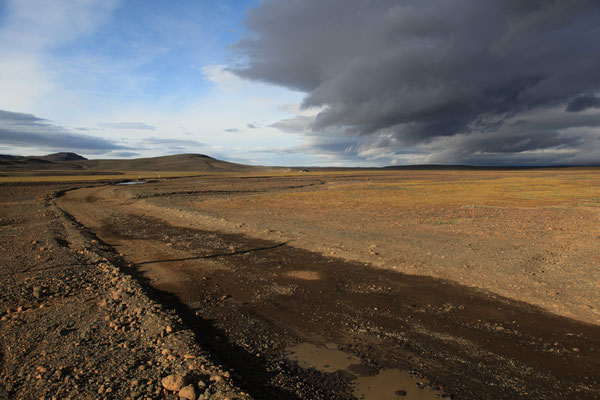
point(73, 161)
point(63, 156)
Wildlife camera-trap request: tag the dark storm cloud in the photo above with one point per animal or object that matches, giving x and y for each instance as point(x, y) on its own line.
point(140, 126)
point(583, 102)
point(27, 130)
point(428, 69)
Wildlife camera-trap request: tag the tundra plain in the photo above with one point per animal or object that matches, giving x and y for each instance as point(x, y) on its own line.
point(448, 283)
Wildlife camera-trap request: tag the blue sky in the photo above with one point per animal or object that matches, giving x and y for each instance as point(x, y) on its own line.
point(150, 76)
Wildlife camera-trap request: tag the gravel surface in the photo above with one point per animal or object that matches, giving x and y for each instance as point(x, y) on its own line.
point(77, 323)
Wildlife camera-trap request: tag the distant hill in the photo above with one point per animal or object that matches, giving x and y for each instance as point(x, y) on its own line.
point(72, 161)
point(61, 157)
point(179, 162)
point(21, 163)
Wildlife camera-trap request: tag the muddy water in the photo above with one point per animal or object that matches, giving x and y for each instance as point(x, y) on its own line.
point(323, 358)
point(393, 384)
point(387, 384)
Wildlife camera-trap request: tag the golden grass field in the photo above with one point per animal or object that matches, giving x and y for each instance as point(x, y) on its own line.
point(525, 234)
point(415, 189)
point(551, 188)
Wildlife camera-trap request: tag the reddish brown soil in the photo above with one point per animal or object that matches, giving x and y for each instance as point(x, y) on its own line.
point(247, 282)
point(75, 322)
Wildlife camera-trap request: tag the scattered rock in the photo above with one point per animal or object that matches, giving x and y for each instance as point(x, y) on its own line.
point(173, 383)
point(188, 392)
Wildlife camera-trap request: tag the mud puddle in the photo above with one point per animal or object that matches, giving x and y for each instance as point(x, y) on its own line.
point(323, 358)
point(386, 384)
point(394, 384)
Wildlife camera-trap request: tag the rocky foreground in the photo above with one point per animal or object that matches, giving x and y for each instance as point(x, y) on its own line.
point(148, 291)
point(76, 324)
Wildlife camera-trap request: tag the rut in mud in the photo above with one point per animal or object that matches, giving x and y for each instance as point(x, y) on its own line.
point(252, 302)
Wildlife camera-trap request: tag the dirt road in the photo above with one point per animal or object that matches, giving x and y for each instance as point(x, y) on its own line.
point(295, 324)
point(75, 323)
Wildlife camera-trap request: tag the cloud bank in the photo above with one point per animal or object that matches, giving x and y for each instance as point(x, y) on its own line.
point(498, 81)
point(27, 130)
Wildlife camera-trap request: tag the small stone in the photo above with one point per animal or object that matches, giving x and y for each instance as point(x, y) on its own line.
point(188, 392)
point(401, 393)
point(173, 382)
point(169, 329)
point(37, 292)
point(217, 378)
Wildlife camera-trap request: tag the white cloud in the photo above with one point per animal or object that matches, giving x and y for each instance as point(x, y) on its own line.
point(223, 79)
point(31, 29)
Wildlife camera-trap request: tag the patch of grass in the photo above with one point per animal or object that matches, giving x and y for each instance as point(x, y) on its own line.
point(560, 207)
point(406, 191)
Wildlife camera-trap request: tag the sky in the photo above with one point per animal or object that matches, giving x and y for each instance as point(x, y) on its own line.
point(304, 82)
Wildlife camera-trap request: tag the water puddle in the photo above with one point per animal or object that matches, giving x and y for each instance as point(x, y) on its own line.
point(393, 384)
point(387, 384)
point(323, 358)
point(131, 183)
